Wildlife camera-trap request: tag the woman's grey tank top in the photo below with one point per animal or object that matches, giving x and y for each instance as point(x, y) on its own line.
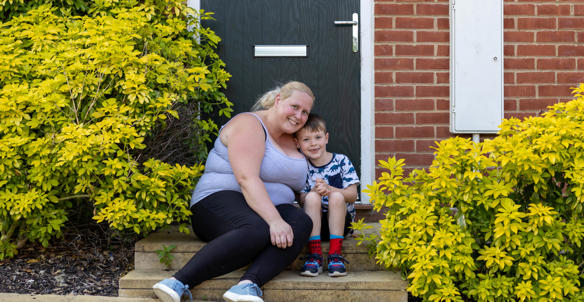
point(280, 173)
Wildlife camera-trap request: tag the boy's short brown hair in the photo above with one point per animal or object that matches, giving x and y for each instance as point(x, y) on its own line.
point(315, 123)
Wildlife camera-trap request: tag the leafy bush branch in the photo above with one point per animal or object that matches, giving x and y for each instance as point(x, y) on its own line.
point(501, 220)
point(81, 87)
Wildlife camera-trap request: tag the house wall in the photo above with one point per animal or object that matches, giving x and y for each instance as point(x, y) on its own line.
point(544, 57)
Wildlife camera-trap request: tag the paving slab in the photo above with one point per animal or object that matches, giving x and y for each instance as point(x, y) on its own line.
point(8, 297)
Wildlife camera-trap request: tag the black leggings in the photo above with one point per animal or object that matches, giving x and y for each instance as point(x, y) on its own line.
point(237, 236)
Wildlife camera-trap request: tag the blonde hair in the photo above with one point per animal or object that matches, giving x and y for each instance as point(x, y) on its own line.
point(267, 100)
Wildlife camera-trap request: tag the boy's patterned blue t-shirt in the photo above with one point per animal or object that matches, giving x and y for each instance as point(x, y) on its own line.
point(338, 173)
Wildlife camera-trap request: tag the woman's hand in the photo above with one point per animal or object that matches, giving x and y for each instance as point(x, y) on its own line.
point(281, 234)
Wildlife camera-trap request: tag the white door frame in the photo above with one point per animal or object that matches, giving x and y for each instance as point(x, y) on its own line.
point(367, 96)
point(366, 32)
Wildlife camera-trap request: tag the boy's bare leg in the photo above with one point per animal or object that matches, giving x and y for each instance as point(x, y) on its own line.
point(337, 210)
point(313, 265)
point(312, 207)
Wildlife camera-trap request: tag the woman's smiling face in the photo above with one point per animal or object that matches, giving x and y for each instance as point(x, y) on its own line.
point(293, 111)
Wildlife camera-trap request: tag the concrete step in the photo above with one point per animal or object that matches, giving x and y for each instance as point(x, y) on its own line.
point(187, 245)
point(366, 281)
point(366, 286)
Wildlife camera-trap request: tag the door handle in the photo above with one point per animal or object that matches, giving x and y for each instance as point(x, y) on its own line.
point(355, 24)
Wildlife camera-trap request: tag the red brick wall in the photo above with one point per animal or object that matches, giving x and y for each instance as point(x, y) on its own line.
point(544, 57)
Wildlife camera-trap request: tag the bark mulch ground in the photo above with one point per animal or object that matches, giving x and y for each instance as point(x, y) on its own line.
point(85, 261)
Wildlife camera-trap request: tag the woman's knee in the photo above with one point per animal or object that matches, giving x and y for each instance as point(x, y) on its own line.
point(297, 219)
point(303, 226)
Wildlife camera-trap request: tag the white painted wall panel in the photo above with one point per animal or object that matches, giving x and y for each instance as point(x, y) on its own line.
point(476, 65)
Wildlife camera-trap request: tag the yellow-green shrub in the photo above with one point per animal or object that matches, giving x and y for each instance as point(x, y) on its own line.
point(501, 220)
point(78, 94)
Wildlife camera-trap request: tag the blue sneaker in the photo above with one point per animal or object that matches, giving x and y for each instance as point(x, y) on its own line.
point(336, 265)
point(313, 265)
point(247, 292)
point(171, 290)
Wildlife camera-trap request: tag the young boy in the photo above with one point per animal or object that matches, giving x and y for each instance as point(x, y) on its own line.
point(328, 197)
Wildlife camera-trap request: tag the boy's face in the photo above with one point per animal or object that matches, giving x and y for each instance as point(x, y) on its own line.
point(312, 143)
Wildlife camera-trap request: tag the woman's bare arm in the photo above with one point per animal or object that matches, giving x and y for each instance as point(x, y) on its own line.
point(245, 140)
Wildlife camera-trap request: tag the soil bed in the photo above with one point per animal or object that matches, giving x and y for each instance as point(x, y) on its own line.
point(85, 261)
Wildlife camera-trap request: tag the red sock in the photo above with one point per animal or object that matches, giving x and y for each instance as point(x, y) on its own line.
point(314, 247)
point(336, 245)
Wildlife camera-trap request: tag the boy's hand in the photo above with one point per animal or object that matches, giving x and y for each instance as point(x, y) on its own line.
point(321, 187)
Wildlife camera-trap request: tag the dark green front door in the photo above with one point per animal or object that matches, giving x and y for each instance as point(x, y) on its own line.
point(330, 68)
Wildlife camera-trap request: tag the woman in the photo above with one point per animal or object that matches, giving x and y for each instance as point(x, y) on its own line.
point(242, 205)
